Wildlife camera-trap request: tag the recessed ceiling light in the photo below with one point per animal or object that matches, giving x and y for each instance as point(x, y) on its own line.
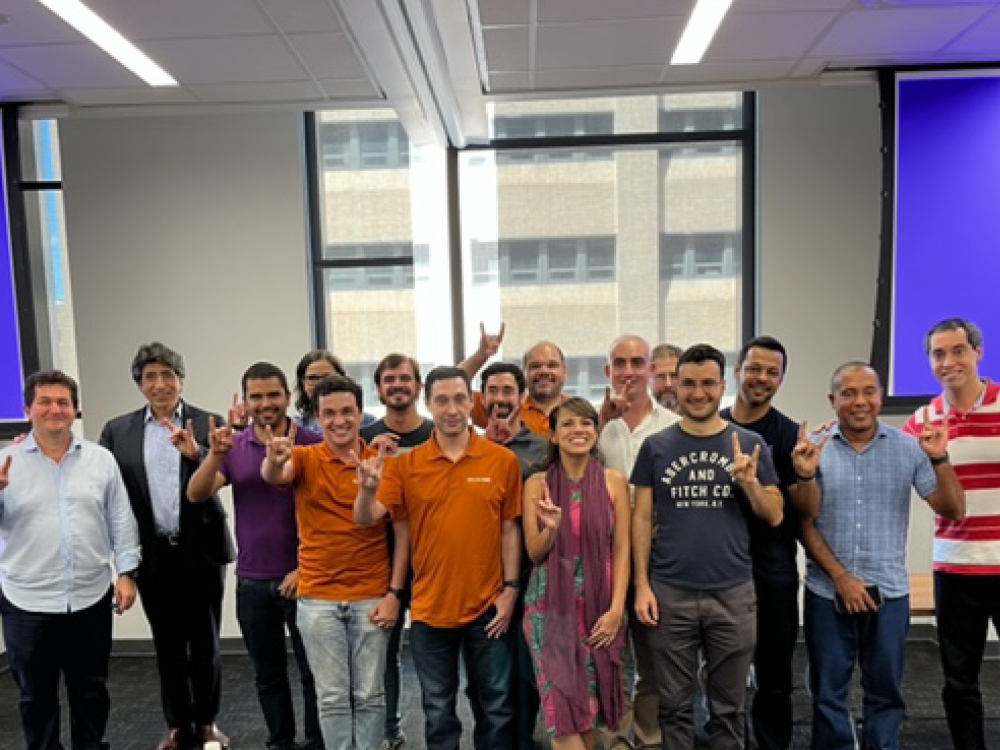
point(701, 27)
point(97, 30)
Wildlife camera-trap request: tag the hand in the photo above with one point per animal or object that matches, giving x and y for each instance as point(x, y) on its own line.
point(505, 608)
point(386, 612)
point(289, 586)
point(124, 594)
point(501, 430)
point(183, 440)
point(489, 344)
point(854, 594)
point(370, 469)
point(5, 472)
point(806, 453)
point(279, 449)
point(391, 441)
point(646, 607)
point(605, 629)
point(614, 405)
point(744, 466)
point(238, 413)
point(934, 438)
point(549, 514)
point(220, 439)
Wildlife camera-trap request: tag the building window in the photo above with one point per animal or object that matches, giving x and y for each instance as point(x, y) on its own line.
point(378, 144)
point(556, 260)
point(351, 267)
point(699, 256)
point(577, 125)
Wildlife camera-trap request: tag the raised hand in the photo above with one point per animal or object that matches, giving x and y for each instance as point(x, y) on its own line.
point(501, 430)
point(220, 439)
point(370, 469)
point(279, 449)
point(806, 453)
point(614, 405)
point(934, 438)
point(390, 440)
point(549, 514)
point(744, 466)
point(5, 473)
point(183, 440)
point(238, 413)
point(489, 344)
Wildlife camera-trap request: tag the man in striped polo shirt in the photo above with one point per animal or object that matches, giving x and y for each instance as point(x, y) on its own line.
point(966, 552)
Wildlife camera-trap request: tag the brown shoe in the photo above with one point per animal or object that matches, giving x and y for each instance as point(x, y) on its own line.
point(175, 739)
point(211, 733)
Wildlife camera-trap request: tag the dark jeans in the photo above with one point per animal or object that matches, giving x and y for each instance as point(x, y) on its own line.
point(39, 647)
point(965, 606)
point(487, 666)
point(777, 629)
point(877, 641)
point(391, 680)
point(264, 614)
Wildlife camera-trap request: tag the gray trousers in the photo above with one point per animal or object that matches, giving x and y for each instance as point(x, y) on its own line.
point(723, 623)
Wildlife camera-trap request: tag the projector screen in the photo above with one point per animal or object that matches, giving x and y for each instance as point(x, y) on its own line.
point(11, 362)
point(941, 221)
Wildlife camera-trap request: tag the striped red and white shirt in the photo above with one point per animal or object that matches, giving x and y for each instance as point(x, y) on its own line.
point(970, 546)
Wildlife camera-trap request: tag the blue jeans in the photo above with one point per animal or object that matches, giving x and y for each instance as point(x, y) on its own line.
point(877, 641)
point(346, 651)
point(487, 666)
point(393, 667)
point(263, 615)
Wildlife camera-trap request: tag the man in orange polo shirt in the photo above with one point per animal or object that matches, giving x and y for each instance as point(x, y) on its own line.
point(461, 496)
point(545, 369)
point(347, 602)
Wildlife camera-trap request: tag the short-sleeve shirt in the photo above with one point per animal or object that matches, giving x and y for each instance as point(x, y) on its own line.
point(266, 532)
point(338, 559)
point(773, 548)
point(407, 440)
point(702, 538)
point(619, 445)
point(533, 416)
point(865, 508)
point(456, 511)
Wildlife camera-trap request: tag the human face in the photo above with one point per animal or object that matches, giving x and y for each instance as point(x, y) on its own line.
point(760, 375)
point(857, 400)
point(954, 361)
point(545, 372)
point(699, 390)
point(398, 388)
point(315, 372)
point(500, 395)
point(665, 381)
point(52, 411)
point(575, 435)
point(340, 418)
point(161, 387)
point(267, 401)
point(629, 368)
point(450, 404)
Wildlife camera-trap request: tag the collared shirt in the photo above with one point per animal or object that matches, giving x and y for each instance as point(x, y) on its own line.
point(60, 523)
point(619, 445)
point(163, 472)
point(534, 417)
point(530, 450)
point(865, 508)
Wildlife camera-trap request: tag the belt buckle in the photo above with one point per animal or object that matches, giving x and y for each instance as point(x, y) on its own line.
point(173, 540)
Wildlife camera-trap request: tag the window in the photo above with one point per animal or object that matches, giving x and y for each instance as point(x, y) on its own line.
point(378, 144)
point(561, 260)
point(699, 256)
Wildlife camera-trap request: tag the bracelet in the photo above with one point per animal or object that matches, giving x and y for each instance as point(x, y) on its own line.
point(512, 584)
point(939, 460)
point(804, 479)
point(398, 593)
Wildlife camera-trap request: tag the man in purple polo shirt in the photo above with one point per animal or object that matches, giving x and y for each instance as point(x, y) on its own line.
point(267, 562)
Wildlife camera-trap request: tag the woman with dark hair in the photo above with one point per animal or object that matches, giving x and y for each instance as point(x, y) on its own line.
point(576, 527)
point(312, 368)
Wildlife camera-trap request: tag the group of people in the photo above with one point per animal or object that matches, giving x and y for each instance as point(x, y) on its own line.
point(587, 564)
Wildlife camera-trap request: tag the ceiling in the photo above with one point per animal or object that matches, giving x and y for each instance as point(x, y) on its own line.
point(438, 61)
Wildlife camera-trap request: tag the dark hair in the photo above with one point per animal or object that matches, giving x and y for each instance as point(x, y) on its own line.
point(764, 342)
point(263, 371)
point(504, 368)
point(973, 333)
point(391, 362)
point(156, 354)
point(666, 350)
point(445, 372)
point(524, 359)
point(701, 353)
point(336, 384)
point(50, 377)
point(582, 408)
point(302, 402)
point(854, 364)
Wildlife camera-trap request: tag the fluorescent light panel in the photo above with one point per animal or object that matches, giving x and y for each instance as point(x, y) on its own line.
point(97, 30)
point(701, 27)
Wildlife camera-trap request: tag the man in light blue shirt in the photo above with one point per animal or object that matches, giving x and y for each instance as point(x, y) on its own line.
point(64, 513)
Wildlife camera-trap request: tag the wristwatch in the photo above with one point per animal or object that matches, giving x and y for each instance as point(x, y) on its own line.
point(130, 574)
point(512, 584)
point(398, 593)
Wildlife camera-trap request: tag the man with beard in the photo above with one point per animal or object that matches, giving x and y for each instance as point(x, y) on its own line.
point(397, 380)
point(695, 591)
point(267, 557)
point(665, 358)
point(629, 415)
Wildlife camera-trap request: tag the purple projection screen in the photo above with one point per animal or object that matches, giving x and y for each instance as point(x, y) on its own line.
point(947, 216)
point(11, 370)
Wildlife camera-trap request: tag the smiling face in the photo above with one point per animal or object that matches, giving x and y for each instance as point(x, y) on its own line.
point(954, 361)
point(629, 369)
point(760, 375)
point(857, 400)
point(699, 390)
point(51, 411)
point(665, 381)
point(546, 372)
point(398, 388)
point(267, 401)
point(161, 387)
point(500, 395)
point(315, 372)
point(340, 418)
point(575, 434)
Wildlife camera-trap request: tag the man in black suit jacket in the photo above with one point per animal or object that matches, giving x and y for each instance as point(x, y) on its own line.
point(185, 546)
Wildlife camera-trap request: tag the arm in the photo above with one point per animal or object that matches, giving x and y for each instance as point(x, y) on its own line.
point(765, 501)
point(510, 558)
point(642, 537)
point(208, 477)
point(489, 345)
point(608, 625)
point(124, 535)
point(368, 510)
point(948, 499)
point(850, 589)
point(805, 458)
point(386, 612)
point(278, 469)
point(805, 498)
point(540, 528)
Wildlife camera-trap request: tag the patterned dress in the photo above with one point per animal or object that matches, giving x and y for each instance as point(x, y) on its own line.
point(537, 618)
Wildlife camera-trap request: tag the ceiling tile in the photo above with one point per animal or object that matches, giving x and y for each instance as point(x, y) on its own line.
point(767, 36)
point(507, 48)
point(360, 88)
point(302, 15)
point(983, 37)
point(766, 6)
point(589, 78)
point(722, 73)
point(504, 11)
point(595, 45)
point(283, 91)
point(241, 59)
point(159, 19)
point(519, 80)
point(30, 22)
point(126, 96)
point(328, 55)
point(601, 10)
point(70, 66)
point(12, 79)
point(895, 31)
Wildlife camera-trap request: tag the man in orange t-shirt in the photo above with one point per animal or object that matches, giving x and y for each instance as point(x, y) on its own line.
point(460, 494)
point(347, 602)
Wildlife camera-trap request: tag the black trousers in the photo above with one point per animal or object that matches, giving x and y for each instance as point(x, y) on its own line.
point(777, 629)
point(40, 646)
point(182, 598)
